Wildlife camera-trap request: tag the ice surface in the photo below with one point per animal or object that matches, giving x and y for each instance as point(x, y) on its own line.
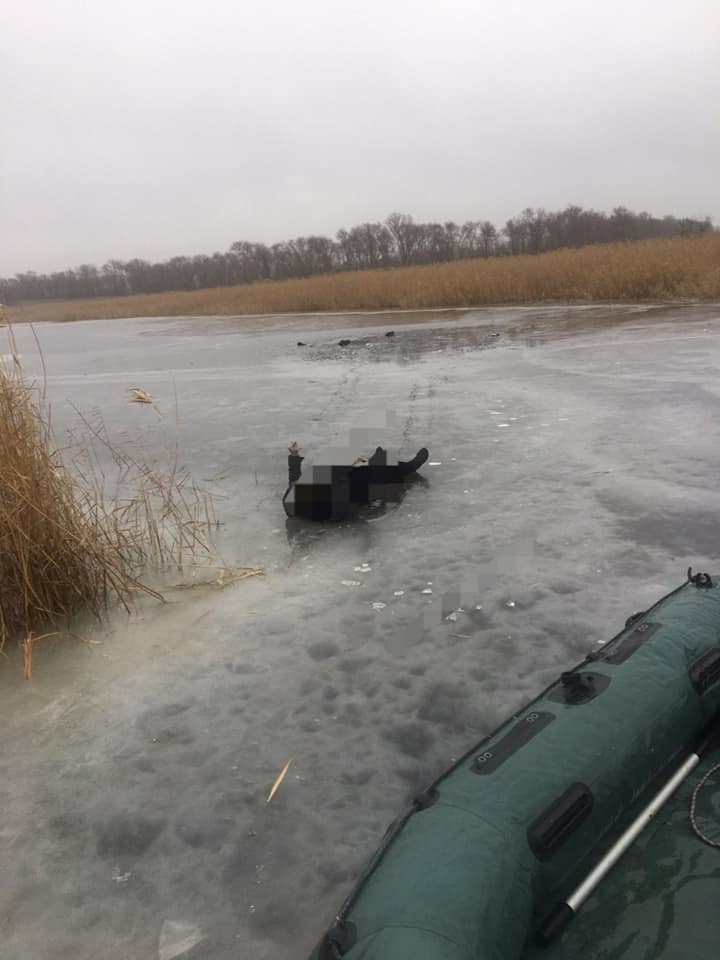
point(177, 939)
point(134, 774)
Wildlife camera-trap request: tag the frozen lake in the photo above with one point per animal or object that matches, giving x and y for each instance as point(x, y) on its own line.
point(573, 479)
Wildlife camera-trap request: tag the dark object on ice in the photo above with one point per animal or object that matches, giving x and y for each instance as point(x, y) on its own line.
point(294, 462)
point(390, 333)
point(294, 468)
point(336, 492)
point(301, 344)
point(343, 343)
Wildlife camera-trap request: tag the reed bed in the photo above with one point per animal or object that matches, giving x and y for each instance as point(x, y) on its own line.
point(677, 268)
point(70, 543)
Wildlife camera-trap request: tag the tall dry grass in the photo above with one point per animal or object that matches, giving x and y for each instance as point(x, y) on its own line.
point(666, 269)
point(65, 544)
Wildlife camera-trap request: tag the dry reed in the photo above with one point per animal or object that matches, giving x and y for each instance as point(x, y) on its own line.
point(666, 269)
point(65, 545)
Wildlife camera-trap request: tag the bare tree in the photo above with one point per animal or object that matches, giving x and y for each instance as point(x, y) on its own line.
point(405, 233)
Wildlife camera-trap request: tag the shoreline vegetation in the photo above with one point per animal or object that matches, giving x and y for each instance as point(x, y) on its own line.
point(75, 539)
point(399, 241)
point(676, 268)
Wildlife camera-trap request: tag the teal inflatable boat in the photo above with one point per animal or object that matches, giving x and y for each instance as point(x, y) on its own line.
point(584, 827)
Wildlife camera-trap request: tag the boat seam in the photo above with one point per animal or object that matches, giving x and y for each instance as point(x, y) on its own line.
point(412, 926)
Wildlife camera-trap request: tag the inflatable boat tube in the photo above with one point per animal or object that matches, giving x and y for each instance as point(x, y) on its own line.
point(483, 855)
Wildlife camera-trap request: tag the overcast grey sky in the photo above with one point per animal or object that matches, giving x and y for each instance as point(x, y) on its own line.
point(164, 126)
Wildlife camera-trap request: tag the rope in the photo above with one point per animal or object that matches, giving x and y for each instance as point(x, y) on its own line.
point(693, 803)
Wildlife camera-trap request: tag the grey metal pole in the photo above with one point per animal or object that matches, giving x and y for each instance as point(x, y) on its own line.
point(565, 911)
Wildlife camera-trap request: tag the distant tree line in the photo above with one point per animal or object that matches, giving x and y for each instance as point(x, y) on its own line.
point(398, 241)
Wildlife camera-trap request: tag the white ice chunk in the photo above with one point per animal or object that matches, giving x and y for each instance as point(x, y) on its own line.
point(119, 877)
point(177, 938)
